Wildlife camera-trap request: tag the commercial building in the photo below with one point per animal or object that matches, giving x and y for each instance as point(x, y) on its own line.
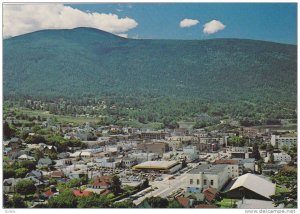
point(282, 157)
point(233, 167)
point(142, 157)
point(153, 135)
point(279, 141)
point(153, 147)
point(239, 152)
point(159, 166)
point(128, 162)
point(207, 175)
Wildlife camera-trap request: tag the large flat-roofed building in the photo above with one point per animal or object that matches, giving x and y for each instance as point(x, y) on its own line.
point(279, 141)
point(153, 135)
point(153, 147)
point(159, 166)
point(207, 175)
point(233, 166)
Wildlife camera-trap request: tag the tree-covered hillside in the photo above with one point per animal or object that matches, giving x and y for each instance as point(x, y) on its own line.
point(86, 62)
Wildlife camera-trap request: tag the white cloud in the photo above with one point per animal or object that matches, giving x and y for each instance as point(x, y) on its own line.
point(20, 19)
point(213, 27)
point(188, 23)
point(124, 35)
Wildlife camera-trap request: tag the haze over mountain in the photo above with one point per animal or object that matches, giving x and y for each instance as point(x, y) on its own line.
point(89, 62)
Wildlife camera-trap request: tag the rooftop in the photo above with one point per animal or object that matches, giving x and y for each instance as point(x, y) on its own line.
point(208, 169)
point(227, 161)
point(157, 164)
point(262, 186)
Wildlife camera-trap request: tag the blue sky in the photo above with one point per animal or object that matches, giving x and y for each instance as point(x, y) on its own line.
point(262, 21)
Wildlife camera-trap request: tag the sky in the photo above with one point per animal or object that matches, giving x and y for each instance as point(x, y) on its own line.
point(275, 22)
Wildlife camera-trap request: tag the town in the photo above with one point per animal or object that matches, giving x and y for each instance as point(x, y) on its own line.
point(47, 164)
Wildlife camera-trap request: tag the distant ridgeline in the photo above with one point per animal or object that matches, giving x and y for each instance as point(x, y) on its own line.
point(87, 63)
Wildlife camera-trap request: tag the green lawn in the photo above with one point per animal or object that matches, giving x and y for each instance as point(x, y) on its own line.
point(226, 203)
point(280, 189)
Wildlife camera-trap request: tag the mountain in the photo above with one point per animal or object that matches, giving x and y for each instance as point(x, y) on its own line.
point(88, 62)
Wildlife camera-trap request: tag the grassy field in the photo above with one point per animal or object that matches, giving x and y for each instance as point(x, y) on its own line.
point(226, 203)
point(58, 118)
point(63, 119)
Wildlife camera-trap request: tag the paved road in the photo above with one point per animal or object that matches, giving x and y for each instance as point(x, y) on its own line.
point(165, 187)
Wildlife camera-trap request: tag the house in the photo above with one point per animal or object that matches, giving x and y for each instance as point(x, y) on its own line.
point(57, 174)
point(63, 162)
point(10, 184)
point(44, 162)
point(210, 194)
point(49, 149)
point(193, 195)
point(250, 186)
point(75, 154)
point(35, 173)
point(86, 154)
point(80, 193)
point(101, 182)
point(63, 155)
point(185, 202)
point(15, 143)
point(50, 193)
point(26, 157)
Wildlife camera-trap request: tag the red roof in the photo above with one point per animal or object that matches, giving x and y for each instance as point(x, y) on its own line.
point(49, 193)
point(205, 206)
point(100, 183)
point(210, 193)
point(183, 201)
point(106, 192)
point(81, 193)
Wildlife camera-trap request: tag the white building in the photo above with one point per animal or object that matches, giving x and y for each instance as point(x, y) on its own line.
point(207, 175)
point(191, 153)
point(129, 162)
point(107, 162)
point(279, 141)
point(142, 157)
point(233, 167)
point(279, 157)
